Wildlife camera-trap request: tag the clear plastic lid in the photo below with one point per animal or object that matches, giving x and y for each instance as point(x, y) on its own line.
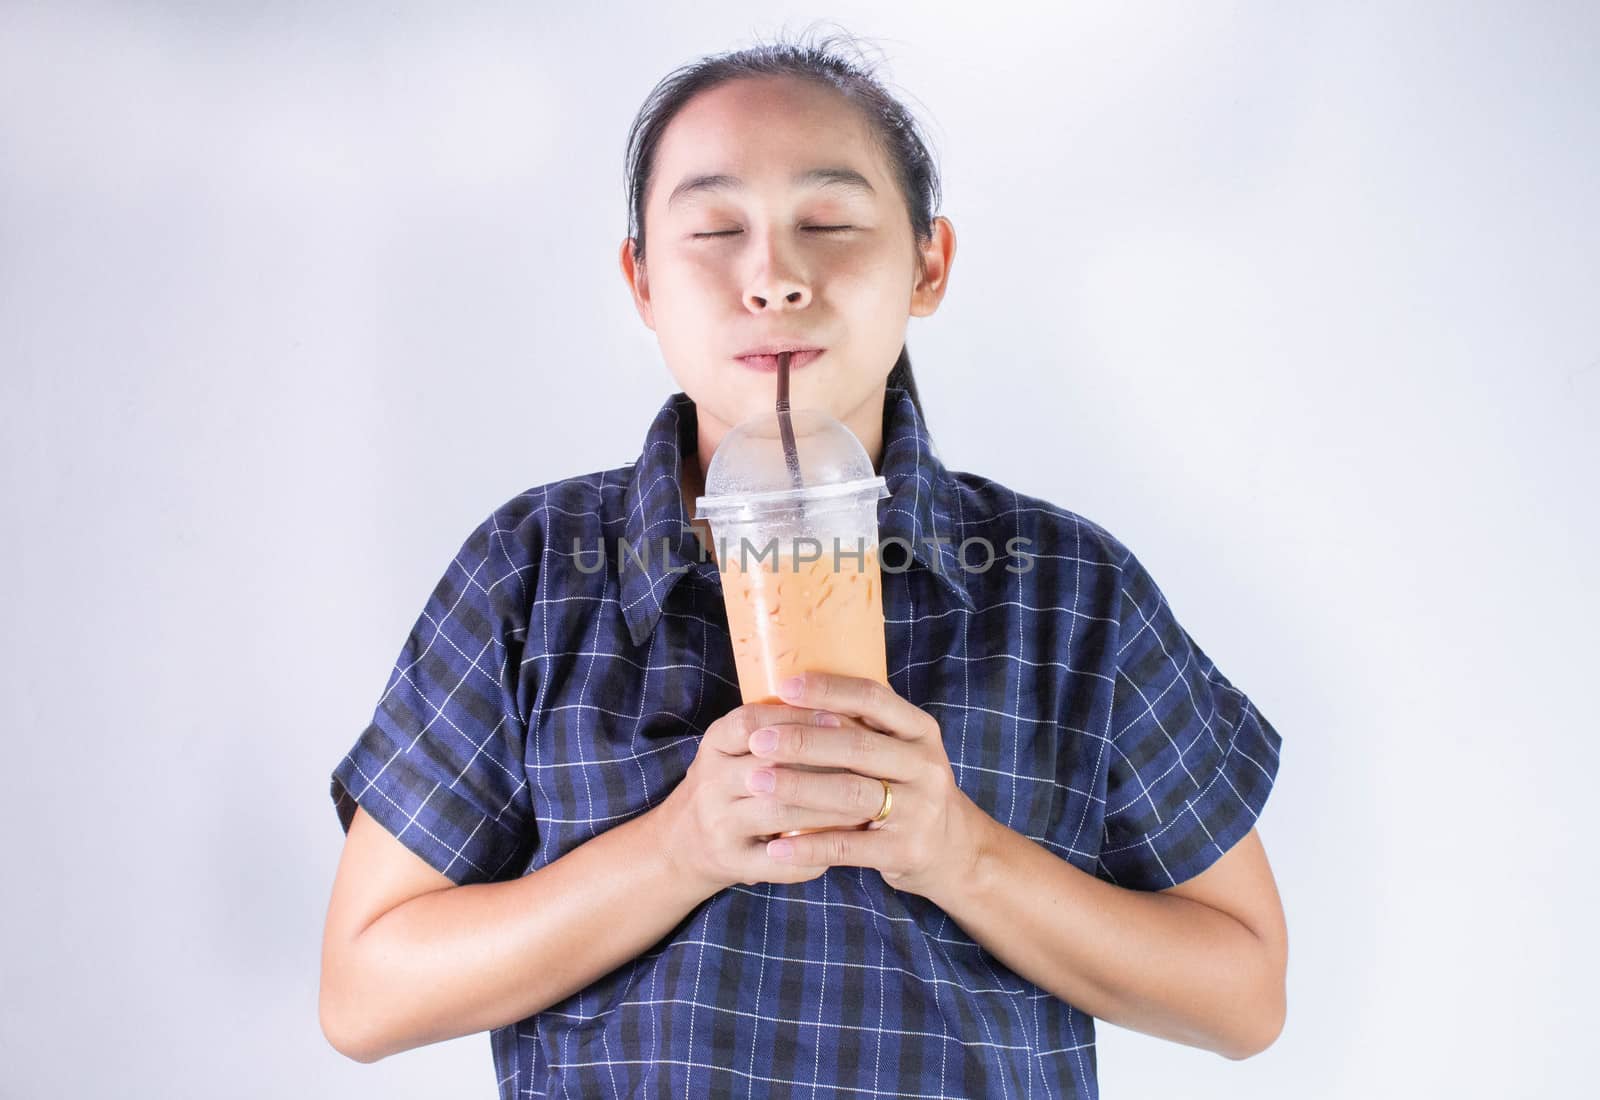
point(749, 472)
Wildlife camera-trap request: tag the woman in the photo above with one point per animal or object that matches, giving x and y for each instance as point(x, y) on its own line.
point(557, 818)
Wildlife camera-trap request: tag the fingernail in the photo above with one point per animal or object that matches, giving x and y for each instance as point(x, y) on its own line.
point(763, 781)
point(763, 740)
point(792, 686)
point(780, 849)
point(826, 719)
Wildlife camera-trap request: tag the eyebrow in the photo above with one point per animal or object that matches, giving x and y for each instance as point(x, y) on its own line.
point(847, 178)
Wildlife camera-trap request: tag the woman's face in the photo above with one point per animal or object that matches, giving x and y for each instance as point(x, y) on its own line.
point(753, 258)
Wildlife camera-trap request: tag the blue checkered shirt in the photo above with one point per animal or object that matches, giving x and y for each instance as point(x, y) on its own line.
point(536, 704)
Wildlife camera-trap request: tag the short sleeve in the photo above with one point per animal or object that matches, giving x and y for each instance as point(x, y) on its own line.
point(441, 764)
point(1191, 759)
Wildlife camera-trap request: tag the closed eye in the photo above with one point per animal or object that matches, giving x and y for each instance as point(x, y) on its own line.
point(812, 228)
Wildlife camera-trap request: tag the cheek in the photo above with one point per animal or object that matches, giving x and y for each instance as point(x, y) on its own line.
point(684, 294)
point(886, 268)
point(689, 321)
point(872, 285)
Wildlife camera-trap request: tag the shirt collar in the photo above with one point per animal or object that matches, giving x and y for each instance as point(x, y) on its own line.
point(662, 546)
point(921, 506)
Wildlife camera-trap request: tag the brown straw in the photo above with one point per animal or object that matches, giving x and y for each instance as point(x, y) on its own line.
point(785, 425)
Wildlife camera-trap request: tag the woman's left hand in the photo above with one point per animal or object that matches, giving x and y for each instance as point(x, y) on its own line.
point(930, 842)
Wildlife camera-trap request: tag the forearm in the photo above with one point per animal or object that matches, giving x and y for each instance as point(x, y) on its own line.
point(472, 958)
point(1155, 963)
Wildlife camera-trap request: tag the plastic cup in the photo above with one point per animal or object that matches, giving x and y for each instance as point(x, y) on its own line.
point(801, 581)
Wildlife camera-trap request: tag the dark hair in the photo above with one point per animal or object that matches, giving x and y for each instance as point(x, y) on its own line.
point(836, 62)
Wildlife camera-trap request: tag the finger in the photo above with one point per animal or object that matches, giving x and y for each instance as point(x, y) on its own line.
point(852, 797)
point(731, 733)
point(866, 699)
point(860, 749)
point(764, 817)
point(763, 868)
point(834, 848)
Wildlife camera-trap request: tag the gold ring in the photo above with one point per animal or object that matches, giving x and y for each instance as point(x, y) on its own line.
point(888, 801)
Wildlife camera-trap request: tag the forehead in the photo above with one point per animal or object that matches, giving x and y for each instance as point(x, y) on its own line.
point(764, 131)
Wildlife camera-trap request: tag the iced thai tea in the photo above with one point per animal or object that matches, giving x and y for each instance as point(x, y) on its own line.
point(788, 617)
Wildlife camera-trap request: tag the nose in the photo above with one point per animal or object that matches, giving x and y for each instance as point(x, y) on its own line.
point(775, 285)
point(786, 294)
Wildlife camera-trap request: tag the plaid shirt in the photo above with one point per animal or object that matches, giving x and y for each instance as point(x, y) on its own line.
point(541, 700)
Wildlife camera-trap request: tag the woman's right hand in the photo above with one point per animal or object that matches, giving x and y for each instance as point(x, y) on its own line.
point(718, 825)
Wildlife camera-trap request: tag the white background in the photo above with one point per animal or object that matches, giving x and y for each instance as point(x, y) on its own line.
point(1300, 303)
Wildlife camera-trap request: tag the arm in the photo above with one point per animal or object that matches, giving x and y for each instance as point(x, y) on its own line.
point(1202, 963)
point(1157, 962)
point(409, 958)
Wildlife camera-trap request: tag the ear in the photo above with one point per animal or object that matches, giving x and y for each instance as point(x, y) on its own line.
point(936, 256)
point(638, 283)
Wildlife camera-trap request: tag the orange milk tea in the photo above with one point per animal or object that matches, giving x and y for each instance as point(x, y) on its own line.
point(789, 617)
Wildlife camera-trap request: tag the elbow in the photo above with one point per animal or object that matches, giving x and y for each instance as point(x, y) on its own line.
point(1270, 1005)
point(342, 1038)
point(344, 1005)
point(1267, 1027)
point(340, 1027)
point(1256, 1045)
point(349, 1042)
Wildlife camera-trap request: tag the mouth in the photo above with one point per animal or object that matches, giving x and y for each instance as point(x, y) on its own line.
point(798, 357)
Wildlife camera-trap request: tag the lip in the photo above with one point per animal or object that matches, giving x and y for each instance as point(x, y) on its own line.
point(763, 359)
